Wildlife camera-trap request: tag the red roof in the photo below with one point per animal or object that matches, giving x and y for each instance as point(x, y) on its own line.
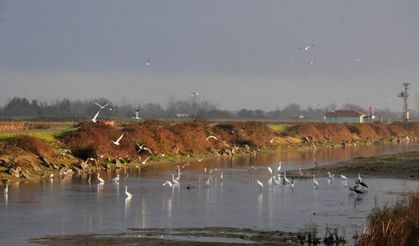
point(343, 113)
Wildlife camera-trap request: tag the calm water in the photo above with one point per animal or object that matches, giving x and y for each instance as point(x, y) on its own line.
point(71, 205)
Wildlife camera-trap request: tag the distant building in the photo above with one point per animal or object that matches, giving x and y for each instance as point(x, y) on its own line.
point(344, 116)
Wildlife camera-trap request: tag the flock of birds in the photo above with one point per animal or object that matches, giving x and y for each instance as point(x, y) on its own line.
point(279, 176)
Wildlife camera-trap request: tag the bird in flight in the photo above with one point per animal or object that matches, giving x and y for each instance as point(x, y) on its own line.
point(94, 119)
point(118, 140)
point(102, 106)
point(307, 47)
point(194, 93)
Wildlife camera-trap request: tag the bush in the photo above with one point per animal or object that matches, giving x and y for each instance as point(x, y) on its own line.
point(85, 152)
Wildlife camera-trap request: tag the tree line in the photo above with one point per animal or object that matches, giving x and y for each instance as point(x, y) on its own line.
point(66, 109)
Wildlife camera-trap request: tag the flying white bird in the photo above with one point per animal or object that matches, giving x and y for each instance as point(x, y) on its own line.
point(94, 119)
point(102, 106)
point(306, 48)
point(194, 93)
point(127, 193)
point(101, 181)
point(211, 137)
point(148, 63)
point(119, 139)
point(116, 179)
point(260, 184)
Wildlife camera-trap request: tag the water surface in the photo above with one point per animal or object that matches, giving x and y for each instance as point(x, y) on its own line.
point(71, 205)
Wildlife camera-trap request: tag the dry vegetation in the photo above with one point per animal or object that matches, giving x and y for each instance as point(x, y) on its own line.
point(397, 225)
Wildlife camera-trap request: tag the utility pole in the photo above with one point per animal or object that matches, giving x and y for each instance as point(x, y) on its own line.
point(404, 95)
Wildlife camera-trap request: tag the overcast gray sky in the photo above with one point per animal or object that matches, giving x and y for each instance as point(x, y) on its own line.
point(236, 53)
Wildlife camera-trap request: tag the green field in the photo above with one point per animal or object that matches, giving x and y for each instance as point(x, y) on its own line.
point(278, 127)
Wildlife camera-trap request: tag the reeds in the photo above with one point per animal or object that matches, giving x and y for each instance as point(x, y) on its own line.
point(397, 225)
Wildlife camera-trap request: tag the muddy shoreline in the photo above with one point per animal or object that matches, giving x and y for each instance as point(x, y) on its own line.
point(89, 148)
point(402, 165)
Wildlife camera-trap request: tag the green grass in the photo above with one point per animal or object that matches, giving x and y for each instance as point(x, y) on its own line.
point(46, 135)
point(278, 127)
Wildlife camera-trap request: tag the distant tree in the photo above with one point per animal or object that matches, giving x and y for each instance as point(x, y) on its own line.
point(245, 114)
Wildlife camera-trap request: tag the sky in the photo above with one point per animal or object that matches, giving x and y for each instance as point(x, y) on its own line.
point(237, 54)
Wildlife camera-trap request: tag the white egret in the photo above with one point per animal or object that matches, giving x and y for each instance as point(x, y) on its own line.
point(89, 179)
point(118, 140)
point(127, 193)
point(6, 190)
point(260, 184)
point(194, 93)
point(279, 166)
point(101, 181)
point(116, 179)
point(148, 63)
point(137, 115)
point(221, 176)
point(343, 177)
point(316, 183)
point(270, 170)
point(275, 180)
point(286, 179)
point(174, 181)
point(145, 161)
point(94, 119)
point(168, 183)
point(207, 182)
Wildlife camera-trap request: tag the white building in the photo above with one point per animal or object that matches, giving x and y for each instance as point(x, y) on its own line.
point(344, 116)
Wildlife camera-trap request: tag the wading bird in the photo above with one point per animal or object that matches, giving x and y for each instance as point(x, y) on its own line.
point(279, 167)
point(127, 193)
point(6, 190)
point(174, 181)
point(168, 183)
point(270, 171)
point(260, 184)
point(316, 183)
point(145, 161)
point(119, 139)
point(101, 181)
point(221, 176)
point(116, 179)
point(343, 177)
point(137, 115)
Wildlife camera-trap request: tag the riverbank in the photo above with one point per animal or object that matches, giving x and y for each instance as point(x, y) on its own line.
point(87, 147)
point(402, 165)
